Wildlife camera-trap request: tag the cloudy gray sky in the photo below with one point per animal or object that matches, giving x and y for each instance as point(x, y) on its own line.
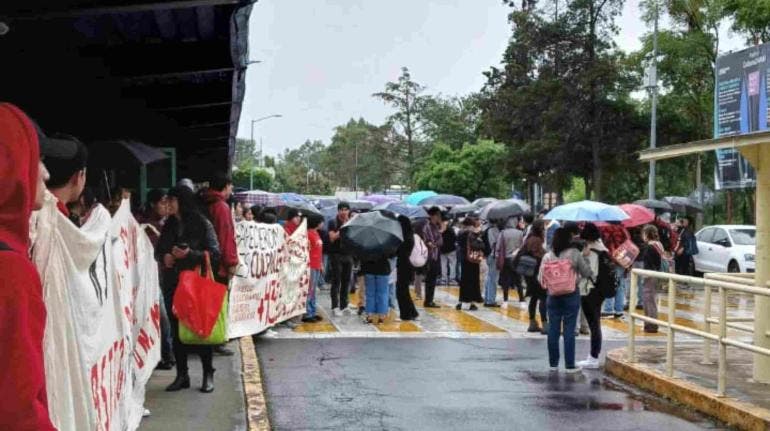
point(322, 59)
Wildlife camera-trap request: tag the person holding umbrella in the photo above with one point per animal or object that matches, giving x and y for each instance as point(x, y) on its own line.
point(432, 236)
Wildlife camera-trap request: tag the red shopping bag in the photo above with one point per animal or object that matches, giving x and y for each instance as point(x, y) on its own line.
point(198, 299)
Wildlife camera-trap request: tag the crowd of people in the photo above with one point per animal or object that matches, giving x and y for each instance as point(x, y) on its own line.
point(190, 227)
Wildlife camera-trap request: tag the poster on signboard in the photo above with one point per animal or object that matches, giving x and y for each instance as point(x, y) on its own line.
point(740, 107)
point(272, 280)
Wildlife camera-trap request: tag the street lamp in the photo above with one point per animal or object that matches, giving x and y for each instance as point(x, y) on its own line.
point(261, 157)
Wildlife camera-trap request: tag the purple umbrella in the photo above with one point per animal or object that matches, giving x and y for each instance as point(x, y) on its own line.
point(379, 199)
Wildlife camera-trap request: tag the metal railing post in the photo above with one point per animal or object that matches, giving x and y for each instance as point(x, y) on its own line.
point(631, 320)
point(722, 371)
point(670, 336)
point(707, 325)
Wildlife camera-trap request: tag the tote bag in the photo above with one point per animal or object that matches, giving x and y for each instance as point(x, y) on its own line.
point(199, 301)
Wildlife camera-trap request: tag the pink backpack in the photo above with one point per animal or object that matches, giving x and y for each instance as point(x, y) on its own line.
point(558, 277)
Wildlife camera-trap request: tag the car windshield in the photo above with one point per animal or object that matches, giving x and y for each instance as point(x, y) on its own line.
point(744, 236)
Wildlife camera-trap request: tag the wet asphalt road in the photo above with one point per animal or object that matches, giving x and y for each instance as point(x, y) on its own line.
point(448, 384)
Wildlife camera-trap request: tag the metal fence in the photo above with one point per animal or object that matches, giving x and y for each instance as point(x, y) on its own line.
point(722, 282)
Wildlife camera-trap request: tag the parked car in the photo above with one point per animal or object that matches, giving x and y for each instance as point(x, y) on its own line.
point(726, 248)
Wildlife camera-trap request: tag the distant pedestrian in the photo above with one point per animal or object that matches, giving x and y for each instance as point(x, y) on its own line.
point(686, 248)
point(448, 255)
point(534, 247)
point(563, 308)
point(510, 241)
point(405, 272)
point(490, 235)
point(432, 236)
point(376, 275)
point(470, 282)
point(652, 259)
point(341, 262)
point(591, 298)
point(613, 236)
point(315, 244)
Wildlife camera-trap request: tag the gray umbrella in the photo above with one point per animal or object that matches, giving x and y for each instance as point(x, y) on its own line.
point(373, 234)
point(655, 205)
point(683, 205)
point(502, 210)
point(462, 210)
point(482, 202)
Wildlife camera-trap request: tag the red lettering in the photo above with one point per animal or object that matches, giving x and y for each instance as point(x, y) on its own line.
point(155, 317)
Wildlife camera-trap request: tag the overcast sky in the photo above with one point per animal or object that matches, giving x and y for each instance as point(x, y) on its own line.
point(322, 59)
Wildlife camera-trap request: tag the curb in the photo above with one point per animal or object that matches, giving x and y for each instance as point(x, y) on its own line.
point(735, 413)
point(256, 407)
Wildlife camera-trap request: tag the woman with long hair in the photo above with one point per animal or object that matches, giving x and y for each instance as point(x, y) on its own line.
point(563, 309)
point(470, 281)
point(535, 247)
point(591, 298)
point(186, 237)
point(652, 253)
point(405, 272)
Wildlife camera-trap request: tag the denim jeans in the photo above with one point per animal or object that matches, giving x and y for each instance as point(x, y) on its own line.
point(490, 285)
point(392, 284)
point(376, 293)
point(459, 255)
point(315, 276)
point(448, 267)
point(562, 310)
point(615, 305)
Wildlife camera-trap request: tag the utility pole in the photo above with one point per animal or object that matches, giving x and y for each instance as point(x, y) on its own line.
point(654, 90)
point(356, 176)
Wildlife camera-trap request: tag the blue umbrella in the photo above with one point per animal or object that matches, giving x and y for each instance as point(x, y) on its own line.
point(293, 198)
point(416, 197)
point(586, 211)
point(400, 208)
point(445, 200)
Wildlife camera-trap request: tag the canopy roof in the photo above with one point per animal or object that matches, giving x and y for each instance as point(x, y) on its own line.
point(163, 73)
point(747, 144)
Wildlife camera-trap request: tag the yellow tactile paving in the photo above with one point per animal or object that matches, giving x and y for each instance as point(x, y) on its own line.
point(393, 326)
point(324, 326)
point(621, 325)
point(463, 321)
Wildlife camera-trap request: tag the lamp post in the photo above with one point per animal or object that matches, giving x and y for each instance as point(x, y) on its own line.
point(261, 157)
point(653, 86)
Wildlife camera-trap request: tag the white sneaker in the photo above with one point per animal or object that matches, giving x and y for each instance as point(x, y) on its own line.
point(336, 312)
point(504, 304)
point(553, 369)
point(146, 413)
point(270, 333)
point(575, 370)
point(590, 363)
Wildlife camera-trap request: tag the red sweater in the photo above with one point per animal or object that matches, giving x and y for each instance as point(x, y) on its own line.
point(316, 249)
point(24, 404)
point(219, 212)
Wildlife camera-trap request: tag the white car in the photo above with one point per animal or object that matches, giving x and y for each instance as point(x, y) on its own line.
point(726, 248)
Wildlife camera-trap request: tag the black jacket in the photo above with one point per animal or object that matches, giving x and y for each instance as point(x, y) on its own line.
point(450, 239)
point(335, 247)
point(198, 234)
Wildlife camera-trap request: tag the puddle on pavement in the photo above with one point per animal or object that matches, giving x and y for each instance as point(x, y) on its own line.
point(586, 392)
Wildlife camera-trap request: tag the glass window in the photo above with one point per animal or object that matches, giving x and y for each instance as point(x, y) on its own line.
point(744, 236)
point(705, 235)
point(720, 235)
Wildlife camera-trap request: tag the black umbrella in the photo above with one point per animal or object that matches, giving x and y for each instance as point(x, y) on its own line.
point(373, 234)
point(462, 210)
point(360, 205)
point(655, 205)
point(684, 205)
point(502, 210)
point(404, 209)
point(482, 202)
point(304, 208)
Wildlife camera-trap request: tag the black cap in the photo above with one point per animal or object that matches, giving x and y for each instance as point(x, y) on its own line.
point(52, 147)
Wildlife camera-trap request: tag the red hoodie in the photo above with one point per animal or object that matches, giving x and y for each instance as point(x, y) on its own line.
point(219, 212)
point(24, 404)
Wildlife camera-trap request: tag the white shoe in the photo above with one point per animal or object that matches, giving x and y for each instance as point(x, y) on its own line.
point(336, 312)
point(146, 413)
point(504, 304)
point(270, 333)
point(553, 369)
point(575, 370)
point(590, 363)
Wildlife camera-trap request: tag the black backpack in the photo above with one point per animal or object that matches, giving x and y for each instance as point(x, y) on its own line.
point(607, 279)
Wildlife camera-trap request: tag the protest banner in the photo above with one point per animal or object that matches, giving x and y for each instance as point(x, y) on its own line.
point(272, 280)
point(100, 286)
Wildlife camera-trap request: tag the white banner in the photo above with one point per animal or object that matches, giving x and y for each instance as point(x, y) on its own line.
point(272, 281)
point(102, 338)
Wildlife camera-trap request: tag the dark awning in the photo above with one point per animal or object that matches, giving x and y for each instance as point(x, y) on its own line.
point(163, 73)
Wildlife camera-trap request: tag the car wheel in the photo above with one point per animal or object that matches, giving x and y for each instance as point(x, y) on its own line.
point(733, 267)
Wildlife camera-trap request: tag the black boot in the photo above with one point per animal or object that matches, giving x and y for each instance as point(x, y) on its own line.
point(182, 381)
point(208, 382)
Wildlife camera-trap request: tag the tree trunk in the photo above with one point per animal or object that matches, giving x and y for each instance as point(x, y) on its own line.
point(589, 187)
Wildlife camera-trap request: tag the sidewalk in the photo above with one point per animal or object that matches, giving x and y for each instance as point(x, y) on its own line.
point(746, 406)
point(189, 409)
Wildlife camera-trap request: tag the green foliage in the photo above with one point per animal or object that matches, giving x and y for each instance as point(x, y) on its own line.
point(750, 17)
point(453, 121)
point(475, 170)
point(263, 180)
point(576, 192)
point(300, 170)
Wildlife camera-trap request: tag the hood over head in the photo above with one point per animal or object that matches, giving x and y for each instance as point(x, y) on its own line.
point(19, 161)
point(212, 196)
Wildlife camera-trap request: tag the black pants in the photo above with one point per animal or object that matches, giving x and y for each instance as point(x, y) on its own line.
point(592, 308)
point(533, 305)
point(182, 350)
point(432, 269)
point(341, 272)
point(405, 304)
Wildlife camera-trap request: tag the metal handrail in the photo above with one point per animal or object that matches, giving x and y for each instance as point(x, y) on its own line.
point(720, 281)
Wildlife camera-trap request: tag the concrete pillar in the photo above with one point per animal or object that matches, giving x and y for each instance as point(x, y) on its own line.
point(762, 303)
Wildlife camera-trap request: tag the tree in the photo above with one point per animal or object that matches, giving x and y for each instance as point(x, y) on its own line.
point(300, 170)
point(453, 121)
point(750, 17)
point(404, 96)
point(472, 171)
point(263, 180)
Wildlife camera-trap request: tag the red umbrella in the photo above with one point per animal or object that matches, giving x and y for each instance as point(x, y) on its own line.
point(637, 215)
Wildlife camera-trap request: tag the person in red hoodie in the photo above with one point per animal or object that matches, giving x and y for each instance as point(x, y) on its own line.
point(293, 220)
point(24, 403)
point(216, 197)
